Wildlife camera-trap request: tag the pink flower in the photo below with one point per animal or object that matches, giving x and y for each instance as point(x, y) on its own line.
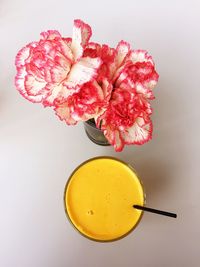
point(89, 102)
point(54, 68)
point(126, 119)
point(136, 68)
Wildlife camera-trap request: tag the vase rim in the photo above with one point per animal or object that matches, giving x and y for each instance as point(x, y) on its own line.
point(91, 122)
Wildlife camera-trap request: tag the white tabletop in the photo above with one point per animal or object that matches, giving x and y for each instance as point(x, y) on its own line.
point(38, 152)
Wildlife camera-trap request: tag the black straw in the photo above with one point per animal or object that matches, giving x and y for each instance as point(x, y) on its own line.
point(161, 212)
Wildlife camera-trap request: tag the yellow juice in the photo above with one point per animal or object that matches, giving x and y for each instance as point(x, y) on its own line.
point(99, 199)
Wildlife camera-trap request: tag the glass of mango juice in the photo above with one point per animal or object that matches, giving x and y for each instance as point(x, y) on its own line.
point(99, 198)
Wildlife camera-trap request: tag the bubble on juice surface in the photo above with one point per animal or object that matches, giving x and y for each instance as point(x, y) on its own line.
point(107, 197)
point(90, 212)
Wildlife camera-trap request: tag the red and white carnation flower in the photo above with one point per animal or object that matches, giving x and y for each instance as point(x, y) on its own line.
point(54, 67)
point(127, 118)
point(88, 103)
point(83, 80)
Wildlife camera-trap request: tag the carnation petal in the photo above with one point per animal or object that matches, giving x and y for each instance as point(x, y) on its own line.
point(108, 132)
point(122, 50)
point(114, 138)
point(126, 84)
point(118, 142)
point(33, 87)
point(139, 133)
point(140, 56)
point(93, 45)
point(19, 83)
point(63, 112)
point(56, 92)
point(92, 50)
point(144, 90)
point(151, 83)
point(59, 71)
point(65, 44)
point(22, 55)
point(81, 32)
point(50, 35)
point(83, 71)
point(107, 89)
point(121, 74)
point(81, 35)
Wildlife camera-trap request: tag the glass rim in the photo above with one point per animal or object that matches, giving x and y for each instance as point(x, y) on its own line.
point(65, 206)
point(91, 123)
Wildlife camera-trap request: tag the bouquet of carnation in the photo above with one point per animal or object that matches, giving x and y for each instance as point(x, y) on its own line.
point(83, 80)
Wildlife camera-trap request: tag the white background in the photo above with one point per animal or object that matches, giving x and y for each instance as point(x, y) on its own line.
point(38, 152)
